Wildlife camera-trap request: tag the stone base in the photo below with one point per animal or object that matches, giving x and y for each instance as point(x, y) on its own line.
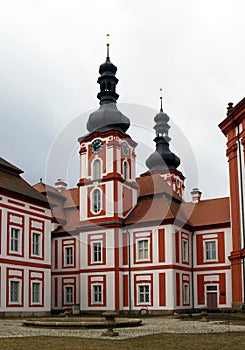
point(237, 306)
point(110, 333)
point(21, 314)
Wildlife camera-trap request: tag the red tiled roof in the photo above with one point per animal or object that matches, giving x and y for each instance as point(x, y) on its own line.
point(157, 203)
point(154, 184)
point(6, 165)
point(208, 212)
point(11, 181)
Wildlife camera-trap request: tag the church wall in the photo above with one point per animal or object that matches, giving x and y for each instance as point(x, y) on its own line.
point(212, 268)
point(65, 271)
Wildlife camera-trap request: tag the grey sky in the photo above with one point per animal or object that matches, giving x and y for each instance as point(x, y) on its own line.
point(51, 51)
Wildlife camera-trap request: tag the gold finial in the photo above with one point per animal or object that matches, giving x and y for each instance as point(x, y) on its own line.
point(108, 39)
point(108, 44)
point(161, 100)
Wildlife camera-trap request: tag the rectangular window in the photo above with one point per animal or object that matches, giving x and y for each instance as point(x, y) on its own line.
point(36, 295)
point(144, 294)
point(36, 239)
point(69, 255)
point(97, 294)
point(15, 239)
point(185, 250)
point(97, 251)
point(14, 291)
point(210, 250)
point(68, 295)
point(143, 249)
point(186, 294)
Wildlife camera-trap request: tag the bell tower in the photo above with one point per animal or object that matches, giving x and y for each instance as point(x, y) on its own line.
point(108, 189)
point(108, 192)
point(163, 160)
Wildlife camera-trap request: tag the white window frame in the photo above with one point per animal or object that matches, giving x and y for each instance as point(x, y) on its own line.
point(143, 249)
point(97, 169)
point(39, 284)
point(17, 300)
point(216, 250)
point(98, 253)
point(186, 294)
point(144, 294)
point(185, 250)
point(69, 258)
point(69, 294)
point(96, 207)
point(17, 240)
point(35, 244)
point(97, 294)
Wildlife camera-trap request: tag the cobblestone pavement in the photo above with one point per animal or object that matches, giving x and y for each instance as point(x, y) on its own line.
point(154, 325)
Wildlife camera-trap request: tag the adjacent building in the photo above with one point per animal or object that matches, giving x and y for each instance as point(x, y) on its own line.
point(25, 242)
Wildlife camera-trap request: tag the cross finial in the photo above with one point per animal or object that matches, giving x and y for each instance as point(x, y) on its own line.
point(161, 110)
point(108, 44)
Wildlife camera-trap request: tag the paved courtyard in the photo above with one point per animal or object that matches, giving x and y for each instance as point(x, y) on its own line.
point(154, 325)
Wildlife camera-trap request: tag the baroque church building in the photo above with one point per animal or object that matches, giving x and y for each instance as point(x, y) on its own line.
point(121, 242)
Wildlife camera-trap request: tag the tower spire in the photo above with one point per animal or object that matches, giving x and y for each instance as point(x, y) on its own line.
point(163, 158)
point(108, 46)
point(161, 110)
point(107, 117)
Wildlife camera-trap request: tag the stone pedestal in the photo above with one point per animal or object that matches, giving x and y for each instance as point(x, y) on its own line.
point(110, 318)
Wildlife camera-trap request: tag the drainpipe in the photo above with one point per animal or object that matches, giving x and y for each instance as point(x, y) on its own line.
point(192, 272)
point(129, 275)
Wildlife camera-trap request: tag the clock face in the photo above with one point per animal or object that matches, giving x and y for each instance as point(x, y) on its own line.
point(125, 149)
point(96, 146)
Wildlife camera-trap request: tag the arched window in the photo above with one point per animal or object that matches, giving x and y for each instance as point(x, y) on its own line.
point(125, 170)
point(96, 201)
point(97, 169)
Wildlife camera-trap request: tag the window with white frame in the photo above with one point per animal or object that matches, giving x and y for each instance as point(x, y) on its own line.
point(69, 295)
point(36, 292)
point(186, 294)
point(68, 255)
point(143, 249)
point(143, 294)
point(96, 200)
point(97, 169)
point(97, 294)
point(97, 252)
point(15, 234)
point(211, 250)
point(36, 244)
point(185, 250)
point(15, 292)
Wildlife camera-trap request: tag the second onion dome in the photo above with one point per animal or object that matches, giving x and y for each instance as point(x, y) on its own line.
point(163, 158)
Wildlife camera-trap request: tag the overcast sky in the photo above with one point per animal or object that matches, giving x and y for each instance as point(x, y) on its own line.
point(50, 54)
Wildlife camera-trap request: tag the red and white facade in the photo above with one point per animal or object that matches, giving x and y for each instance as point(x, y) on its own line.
point(25, 254)
point(234, 129)
point(121, 242)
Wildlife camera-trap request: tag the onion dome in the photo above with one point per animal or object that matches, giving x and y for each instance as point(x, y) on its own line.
point(107, 117)
point(163, 158)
